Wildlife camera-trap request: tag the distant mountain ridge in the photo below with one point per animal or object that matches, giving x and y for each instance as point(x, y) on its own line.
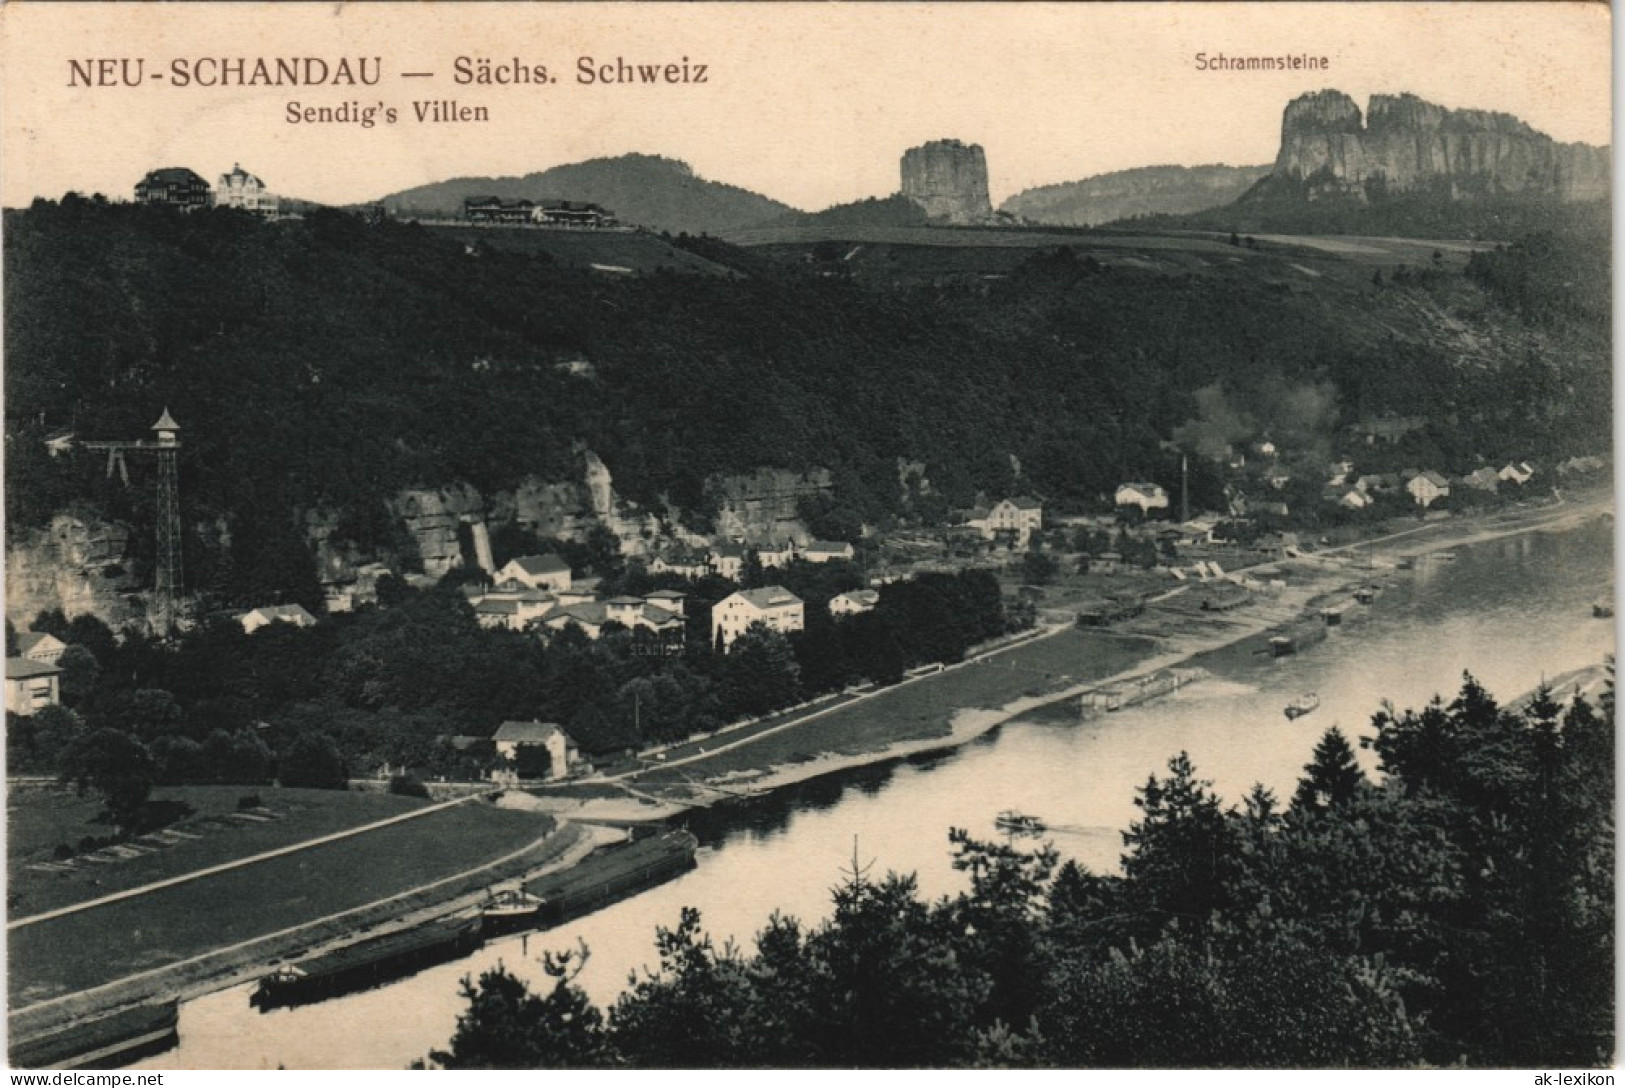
point(1123, 194)
point(642, 190)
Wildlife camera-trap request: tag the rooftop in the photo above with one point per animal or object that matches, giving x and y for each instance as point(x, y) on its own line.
point(541, 564)
point(533, 732)
point(769, 597)
point(23, 668)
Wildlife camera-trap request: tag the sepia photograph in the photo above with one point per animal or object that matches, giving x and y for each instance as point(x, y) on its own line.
point(901, 535)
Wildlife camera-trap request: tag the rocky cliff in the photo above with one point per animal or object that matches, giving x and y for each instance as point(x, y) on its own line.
point(1403, 143)
point(1123, 194)
point(77, 564)
point(764, 506)
point(949, 180)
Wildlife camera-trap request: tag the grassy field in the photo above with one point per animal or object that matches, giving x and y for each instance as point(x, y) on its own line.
point(925, 709)
point(108, 942)
point(38, 819)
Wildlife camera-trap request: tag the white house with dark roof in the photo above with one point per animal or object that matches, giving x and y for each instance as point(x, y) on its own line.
point(774, 606)
point(31, 686)
point(853, 602)
point(515, 741)
point(728, 561)
point(536, 572)
point(1147, 496)
point(256, 618)
point(38, 646)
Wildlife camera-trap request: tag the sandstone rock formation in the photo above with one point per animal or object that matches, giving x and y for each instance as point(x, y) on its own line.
point(949, 180)
point(1403, 143)
point(764, 507)
point(77, 564)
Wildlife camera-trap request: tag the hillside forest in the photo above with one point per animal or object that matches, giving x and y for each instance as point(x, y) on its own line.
point(327, 362)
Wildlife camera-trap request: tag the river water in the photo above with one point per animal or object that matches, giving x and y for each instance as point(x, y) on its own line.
point(1511, 611)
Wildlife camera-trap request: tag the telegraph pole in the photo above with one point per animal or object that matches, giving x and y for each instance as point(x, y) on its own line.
point(1184, 487)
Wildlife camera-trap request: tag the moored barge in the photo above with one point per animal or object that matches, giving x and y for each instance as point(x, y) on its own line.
point(614, 873)
point(106, 1042)
point(368, 963)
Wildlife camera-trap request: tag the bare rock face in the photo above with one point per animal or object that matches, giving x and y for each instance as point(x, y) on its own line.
point(765, 506)
point(77, 564)
point(1403, 143)
point(949, 180)
point(432, 518)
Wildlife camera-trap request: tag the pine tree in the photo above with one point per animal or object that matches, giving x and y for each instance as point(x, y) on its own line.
point(1331, 778)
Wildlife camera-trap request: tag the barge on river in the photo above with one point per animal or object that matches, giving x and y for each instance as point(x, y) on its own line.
point(615, 873)
point(105, 1042)
point(368, 963)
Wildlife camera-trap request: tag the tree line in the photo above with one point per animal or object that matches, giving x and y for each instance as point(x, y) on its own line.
point(392, 685)
point(1456, 910)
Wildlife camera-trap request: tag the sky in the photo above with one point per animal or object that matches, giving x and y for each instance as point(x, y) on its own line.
point(812, 104)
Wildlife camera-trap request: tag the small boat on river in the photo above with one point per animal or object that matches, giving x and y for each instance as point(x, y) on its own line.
point(510, 909)
point(1018, 823)
point(1303, 704)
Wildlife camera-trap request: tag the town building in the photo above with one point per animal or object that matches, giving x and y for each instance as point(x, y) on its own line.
point(240, 189)
point(1483, 479)
point(1349, 498)
point(681, 565)
point(853, 602)
point(828, 551)
point(276, 613)
point(536, 749)
point(1147, 496)
point(173, 187)
point(1428, 487)
point(1518, 473)
point(31, 686)
point(774, 556)
point(535, 572)
point(491, 209)
point(1021, 516)
point(581, 215)
point(774, 606)
point(672, 600)
point(661, 614)
point(37, 646)
point(728, 561)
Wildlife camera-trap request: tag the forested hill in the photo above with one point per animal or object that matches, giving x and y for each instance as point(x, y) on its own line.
point(331, 361)
point(642, 190)
point(1124, 194)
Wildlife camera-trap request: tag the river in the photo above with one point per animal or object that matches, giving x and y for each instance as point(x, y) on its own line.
point(1512, 611)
